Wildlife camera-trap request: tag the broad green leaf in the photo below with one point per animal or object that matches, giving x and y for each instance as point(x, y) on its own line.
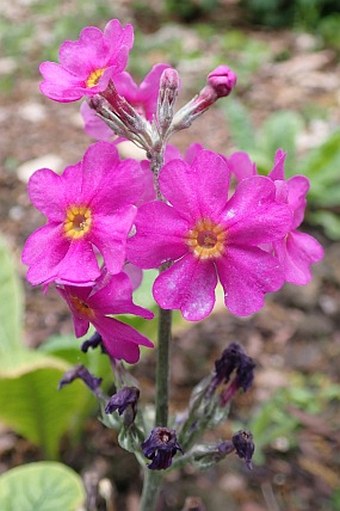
point(67, 348)
point(42, 486)
point(11, 300)
point(30, 402)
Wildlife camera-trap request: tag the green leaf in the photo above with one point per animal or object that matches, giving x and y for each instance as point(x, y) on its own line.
point(11, 300)
point(30, 402)
point(322, 167)
point(281, 130)
point(240, 125)
point(329, 221)
point(42, 486)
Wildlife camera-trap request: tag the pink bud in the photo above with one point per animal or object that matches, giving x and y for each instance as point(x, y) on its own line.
point(222, 80)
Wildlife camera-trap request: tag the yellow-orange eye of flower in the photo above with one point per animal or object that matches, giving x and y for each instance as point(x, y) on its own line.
point(78, 222)
point(82, 307)
point(207, 239)
point(94, 77)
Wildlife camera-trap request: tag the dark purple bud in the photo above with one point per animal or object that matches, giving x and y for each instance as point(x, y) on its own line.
point(222, 80)
point(161, 447)
point(94, 341)
point(234, 358)
point(244, 446)
point(82, 373)
point(124, 401)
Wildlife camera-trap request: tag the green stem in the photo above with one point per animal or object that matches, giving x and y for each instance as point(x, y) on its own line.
point(162, 370)
point(153, 478)
point(151, 489)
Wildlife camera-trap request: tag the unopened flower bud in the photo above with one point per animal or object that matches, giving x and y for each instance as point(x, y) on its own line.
point(161, 447)
point(124, 401)
point(168, 92)
point(222, 80)
point(244, 446)
point(80, 372)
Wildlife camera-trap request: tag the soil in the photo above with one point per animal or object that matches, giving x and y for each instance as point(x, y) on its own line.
point(297, 332)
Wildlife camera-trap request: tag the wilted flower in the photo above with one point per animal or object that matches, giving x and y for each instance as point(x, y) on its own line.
point(111, 295)
point(90, 206)
point(80, 372)
point(244, 446)
point(205, 235)
point(88, 64)
point(233, 360)
point(161, 447)
point(124, 401)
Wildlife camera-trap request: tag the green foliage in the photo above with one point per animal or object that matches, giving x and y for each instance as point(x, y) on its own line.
point(321, 165)
point(11, 299)
point(274, 420)
point(29, 400)
point(305, 13)
point(42, 486)
point(188, 10)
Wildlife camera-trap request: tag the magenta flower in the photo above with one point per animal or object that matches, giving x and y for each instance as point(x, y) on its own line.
point(87, 64)
point(95, 305)
point(206, 237)
point(298, 250)
point(88, 207)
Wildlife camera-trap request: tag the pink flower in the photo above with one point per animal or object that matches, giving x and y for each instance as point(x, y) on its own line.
point(111, 295)
point(143, 98)
point(298, 250)
point(89, 207)
point(206, 237)
point(87, 64)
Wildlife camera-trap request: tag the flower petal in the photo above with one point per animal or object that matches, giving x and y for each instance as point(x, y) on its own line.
point(251, 193)
point(160, 236)
point(266, 222)
point(85, 55)
point(115, 297)
point(79, 265)
point(246, 276)
point(241, 165)
point(46, 191)
point(296, 253)
point(43, 251)
point(197, 190)
point(120, 340)
point(59, 84)
point(109, 234)
point(188, 285)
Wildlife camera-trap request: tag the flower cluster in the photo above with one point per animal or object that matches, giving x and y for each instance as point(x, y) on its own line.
point(182, 216)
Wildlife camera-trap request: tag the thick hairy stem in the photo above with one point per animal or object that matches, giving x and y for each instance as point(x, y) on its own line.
point(151, 489)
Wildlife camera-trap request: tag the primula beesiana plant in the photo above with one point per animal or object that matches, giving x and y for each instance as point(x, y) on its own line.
point(108, 219)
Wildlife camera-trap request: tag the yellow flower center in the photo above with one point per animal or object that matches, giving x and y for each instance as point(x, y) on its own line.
point(207, 239)
point(94, 77)
point(78, 222)
point(82, 307)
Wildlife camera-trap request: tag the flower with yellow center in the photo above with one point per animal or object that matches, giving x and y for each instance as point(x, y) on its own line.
point(78, 222)
point(207, 239)
point(94, 77)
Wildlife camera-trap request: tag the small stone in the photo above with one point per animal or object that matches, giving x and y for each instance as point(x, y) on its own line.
point(49, 161)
